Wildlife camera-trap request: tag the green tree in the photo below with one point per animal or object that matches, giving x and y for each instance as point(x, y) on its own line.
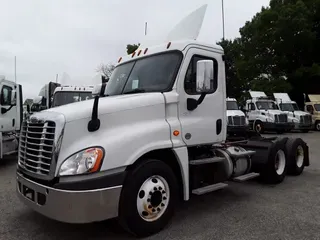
point(281, 42)
point(132, 47)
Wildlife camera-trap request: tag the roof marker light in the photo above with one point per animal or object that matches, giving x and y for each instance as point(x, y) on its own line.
point(145, 51)
point(139, 52)
point(134, 53)
point(120, 58)
point(168, 45)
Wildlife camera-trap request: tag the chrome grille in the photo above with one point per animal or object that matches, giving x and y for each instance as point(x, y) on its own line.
point(307, 119)
point(236, 120)
point(37, 146)
point(281, 118)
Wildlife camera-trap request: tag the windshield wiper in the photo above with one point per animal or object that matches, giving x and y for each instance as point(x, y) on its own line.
point(137, 90)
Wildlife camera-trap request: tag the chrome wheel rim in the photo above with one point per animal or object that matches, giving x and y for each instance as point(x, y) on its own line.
point(318, 126)
point(299, 156)
point(258, 128)
point(153, 198)
point(280, 162)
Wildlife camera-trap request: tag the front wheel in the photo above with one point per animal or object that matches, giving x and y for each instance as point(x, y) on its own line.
point(148, 198)
point(317, 125)
point(258, 127)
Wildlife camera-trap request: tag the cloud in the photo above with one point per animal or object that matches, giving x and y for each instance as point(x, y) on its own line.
point(75, 36)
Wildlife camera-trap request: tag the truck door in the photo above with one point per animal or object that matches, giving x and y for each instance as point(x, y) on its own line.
point(206, 123)
point(8, 112)
point(253, 114)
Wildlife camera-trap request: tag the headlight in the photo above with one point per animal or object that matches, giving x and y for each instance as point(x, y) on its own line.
point(86, 161)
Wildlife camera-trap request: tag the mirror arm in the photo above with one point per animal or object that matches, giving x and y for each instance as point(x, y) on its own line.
point(4, 110)
point(201, 98)
point(192, 103)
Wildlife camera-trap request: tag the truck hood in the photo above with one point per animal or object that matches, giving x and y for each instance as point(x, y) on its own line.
point(83, 109)
point(272, 112)
point(235, 113)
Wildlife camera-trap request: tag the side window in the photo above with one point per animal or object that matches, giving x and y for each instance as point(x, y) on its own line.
point(252, 107)
point(310, 109)
point(191, 75)
point(6, 92)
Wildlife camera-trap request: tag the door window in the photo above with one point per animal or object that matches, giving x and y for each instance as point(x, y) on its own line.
point(310, 109)
point(6, 92)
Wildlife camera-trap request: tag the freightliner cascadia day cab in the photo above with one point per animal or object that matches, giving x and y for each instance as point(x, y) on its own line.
point(301, 120)
point(237, 121)
point(313, 107)
point(158, 136)
point(264, 114)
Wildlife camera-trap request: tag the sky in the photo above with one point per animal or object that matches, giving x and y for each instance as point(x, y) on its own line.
point(72, 38)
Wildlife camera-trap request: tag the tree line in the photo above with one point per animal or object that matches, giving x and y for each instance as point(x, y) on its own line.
point(277, 51)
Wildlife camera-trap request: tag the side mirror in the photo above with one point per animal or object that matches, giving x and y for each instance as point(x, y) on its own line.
point(204, 80)
point(99, 90)
point(13, 97)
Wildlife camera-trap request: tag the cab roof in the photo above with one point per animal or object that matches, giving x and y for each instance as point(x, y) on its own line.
point(74, 89)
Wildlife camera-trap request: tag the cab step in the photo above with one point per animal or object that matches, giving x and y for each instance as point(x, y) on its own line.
point(210, 188)
point(206, 160)
point(246, 177)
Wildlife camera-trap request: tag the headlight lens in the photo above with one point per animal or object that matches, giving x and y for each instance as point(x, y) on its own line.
point(86, 161)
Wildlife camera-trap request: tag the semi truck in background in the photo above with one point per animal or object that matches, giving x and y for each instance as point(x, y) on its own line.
point(237, 121)
point(11, 116)
point(159, 136)
point(301, 120)
point(264, 114)
point(54, 95)
point(313, 107)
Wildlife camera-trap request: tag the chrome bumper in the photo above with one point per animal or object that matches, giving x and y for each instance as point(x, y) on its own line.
point(69, 206)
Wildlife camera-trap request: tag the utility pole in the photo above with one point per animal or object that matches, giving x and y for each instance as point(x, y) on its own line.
point(222, 9)
point(15, 69)
point(145, 28)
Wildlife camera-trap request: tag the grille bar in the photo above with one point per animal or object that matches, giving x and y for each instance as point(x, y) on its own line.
point(236, 120)
point(36, 146)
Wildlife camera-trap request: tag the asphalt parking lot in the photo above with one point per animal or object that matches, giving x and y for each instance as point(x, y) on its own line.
point(249, 210)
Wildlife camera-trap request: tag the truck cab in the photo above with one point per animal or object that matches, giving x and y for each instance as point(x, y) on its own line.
point(237, 121)
point(11, 116)
point(313, 107)
point(301, 120)
point(264, 114)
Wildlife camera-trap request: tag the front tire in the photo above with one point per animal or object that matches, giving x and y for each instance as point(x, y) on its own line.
point(148, 198)
point(258, 127)
point(317, 125)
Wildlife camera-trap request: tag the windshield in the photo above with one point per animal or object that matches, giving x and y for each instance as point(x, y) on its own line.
point(232, 105)
point(317, 107)
point(266, 105)
point(151, 74)
point(286, 107)
point(62, 98)
point(295, 107)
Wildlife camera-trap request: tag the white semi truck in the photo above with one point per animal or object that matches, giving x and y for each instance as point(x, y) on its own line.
point(264, 114)
point(158, 136)
point(301, 120)
point(11, 116)
point(237, 121)
point(53, 95)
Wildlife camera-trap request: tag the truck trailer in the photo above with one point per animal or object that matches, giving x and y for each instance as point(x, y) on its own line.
point(158, 136)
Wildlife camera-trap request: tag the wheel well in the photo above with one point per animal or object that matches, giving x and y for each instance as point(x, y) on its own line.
point(167, 156)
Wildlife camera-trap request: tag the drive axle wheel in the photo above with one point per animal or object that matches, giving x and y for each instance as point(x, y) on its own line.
point(317, 125)
point(296, 153)
point(276, 168)
point(148, 198)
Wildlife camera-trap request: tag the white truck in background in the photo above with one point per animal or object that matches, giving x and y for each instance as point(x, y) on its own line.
point(54, 95)
point(11, 116)
point(301, 120)
point(264, 114)
point(237, 121)
point(160, 135)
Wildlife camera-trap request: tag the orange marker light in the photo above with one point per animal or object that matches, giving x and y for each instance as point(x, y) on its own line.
point(169, 44)
point(134, 53)
point(145, 51)
point(120, 59)
point(139, 52)
point(176, 133)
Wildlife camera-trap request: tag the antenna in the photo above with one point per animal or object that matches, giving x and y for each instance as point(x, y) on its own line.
point(15, 69)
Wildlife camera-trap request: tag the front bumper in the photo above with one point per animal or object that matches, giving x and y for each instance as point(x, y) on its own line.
point(80, 206)
point(302, 126)
point(278, 126)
